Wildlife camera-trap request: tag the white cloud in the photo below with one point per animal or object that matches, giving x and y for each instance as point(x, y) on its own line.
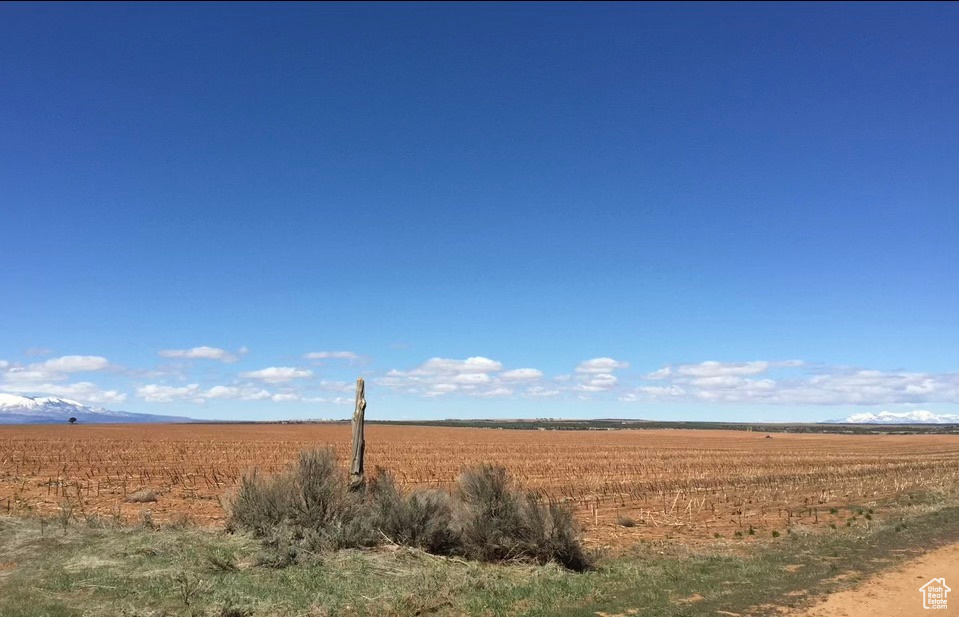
point(718, 381)
point(484, 378)
point(596, 375)
point(711, 368)
point(600, 365)
point(285, 397)
point(441, 389)
point(666, 391)
point(495, 393)
point(753, 382)
point(740, 382)
point(235, 393)
point(339, 400)
point(475, 377)
point(719, 369)
point(439, 370)
point(598, 382)
point(82, 391)
point(257, 395)
point(75, 364)
point(332, 355)
point(337, 386)
point(4, 364)
point(917, 416)
point(522, 374)
point(54, 369)
point(155, 393)
point(18, 374)
point(541, 392)
point(221, 392)
point(869, 387)
point(662, 373)
point(204, 353)
point(733, 389)
point(472, 378)
point(278, 374)
point(476, 364)
point(647, 393)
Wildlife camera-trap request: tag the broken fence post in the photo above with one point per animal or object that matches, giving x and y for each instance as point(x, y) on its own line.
point(359, 445)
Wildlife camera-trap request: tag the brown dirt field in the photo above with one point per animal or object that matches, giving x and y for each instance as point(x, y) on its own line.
point(896, 592)
point(674, 484)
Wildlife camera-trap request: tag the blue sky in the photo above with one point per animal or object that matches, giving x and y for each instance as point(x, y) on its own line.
point(734, 212)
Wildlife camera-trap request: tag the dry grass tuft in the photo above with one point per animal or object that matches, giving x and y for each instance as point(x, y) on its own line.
point(142, 496)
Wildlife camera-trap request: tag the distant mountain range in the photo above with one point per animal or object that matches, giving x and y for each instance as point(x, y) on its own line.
point(16, 409)
point(910, 417)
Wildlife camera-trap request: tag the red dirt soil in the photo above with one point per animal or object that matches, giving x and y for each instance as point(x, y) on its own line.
point(668, 484)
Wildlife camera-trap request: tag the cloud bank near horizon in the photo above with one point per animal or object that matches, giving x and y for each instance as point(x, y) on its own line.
point(761, 382)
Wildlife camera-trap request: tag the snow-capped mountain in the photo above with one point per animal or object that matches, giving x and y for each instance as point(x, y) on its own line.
point(15, 409)
point(919, 416)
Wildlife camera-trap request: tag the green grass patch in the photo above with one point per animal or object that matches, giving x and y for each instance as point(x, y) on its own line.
point(100, 572)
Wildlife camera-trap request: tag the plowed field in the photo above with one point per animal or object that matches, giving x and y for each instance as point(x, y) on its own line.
point(624, 485)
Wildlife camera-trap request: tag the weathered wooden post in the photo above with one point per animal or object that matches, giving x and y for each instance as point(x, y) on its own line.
point(359, 445)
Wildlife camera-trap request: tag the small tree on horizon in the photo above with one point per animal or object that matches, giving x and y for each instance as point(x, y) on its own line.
point(72, 420)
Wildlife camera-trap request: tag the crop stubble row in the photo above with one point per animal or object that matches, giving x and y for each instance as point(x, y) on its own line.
point(680, 484)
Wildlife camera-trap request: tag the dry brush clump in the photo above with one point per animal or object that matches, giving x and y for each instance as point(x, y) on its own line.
point(421, 518)
point(142, 496)
point(496, 522)
point(309, 506)
point(310, 509)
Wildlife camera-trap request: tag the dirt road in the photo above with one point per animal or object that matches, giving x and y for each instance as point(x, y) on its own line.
point(896, 593)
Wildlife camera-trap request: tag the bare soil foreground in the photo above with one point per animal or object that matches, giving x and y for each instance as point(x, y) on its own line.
point(895, 593)
point(624, 485)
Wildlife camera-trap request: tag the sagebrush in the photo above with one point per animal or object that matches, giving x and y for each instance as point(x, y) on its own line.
point(309, 509)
